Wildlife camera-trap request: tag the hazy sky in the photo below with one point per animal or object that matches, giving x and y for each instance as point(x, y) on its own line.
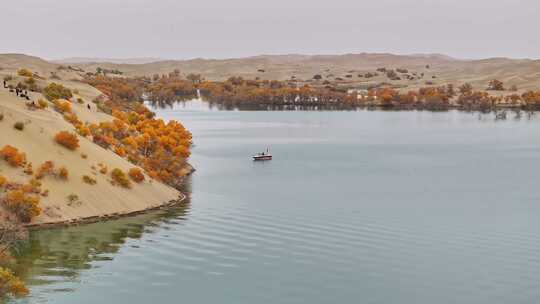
point(181, 29)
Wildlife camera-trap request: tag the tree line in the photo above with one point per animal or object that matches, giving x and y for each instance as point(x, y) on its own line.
point(237, 91)
point(164, 90)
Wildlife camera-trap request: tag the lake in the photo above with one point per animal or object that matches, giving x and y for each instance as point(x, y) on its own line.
point(356, 207)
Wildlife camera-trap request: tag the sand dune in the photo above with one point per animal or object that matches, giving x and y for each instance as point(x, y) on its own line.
point(524, 73)
point(110, 60)
point(36, 140)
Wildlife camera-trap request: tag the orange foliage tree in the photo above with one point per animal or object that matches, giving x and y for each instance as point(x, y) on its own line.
point(170, 88)
point(13, 156)
point(136, 175)
point(160, 148)
point(47, 168)
point(496, 85)
point(531, 99)
point(62, 106)
point(22, 204)
point(67, 139)
point(63, 173)
point(10, 284)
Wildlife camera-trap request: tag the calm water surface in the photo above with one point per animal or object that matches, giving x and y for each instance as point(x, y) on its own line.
point(356, 207)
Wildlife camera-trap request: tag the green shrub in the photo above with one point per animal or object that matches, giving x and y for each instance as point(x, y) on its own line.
point(120, 178)
point(56, 91)
point(89, 180)
point(19, 125)
point(73, 200)
point(43, 104)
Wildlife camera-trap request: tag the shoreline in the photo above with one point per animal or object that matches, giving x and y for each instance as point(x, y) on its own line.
point(344, 106)
point(106, 217)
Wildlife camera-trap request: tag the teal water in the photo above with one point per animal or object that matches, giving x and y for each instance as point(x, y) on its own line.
point(356, 207)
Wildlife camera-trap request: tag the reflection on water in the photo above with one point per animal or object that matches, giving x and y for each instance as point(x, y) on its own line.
point(163, 104)
point(53, 257)
point(201, 104)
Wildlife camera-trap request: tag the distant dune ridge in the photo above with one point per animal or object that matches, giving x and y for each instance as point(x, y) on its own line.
point(438, 68)
point(109, 60)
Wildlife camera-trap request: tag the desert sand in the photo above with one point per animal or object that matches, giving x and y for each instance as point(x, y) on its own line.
point(36, 140)
point(437, 69)
point(524, 73)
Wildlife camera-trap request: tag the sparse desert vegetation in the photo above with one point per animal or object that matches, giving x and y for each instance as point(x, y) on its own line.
point(127, 134)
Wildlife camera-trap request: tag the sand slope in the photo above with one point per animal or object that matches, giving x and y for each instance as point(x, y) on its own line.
point(36, 140)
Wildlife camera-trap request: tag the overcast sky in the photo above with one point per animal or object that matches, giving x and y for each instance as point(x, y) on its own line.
point(180, 29)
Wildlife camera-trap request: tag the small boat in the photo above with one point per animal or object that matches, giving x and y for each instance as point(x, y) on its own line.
point(263, 156)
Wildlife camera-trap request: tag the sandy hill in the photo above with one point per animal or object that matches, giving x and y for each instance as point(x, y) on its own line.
point(109, 60)
point(11, 63)
point(438, 69)
point(36, 140)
